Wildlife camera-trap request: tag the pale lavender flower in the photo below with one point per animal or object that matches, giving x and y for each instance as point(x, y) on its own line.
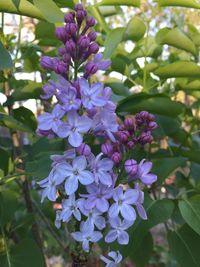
point(98, 197)
point(69, 154)
point(55, 178)
point(118, 231)
point(73, 129)
point(70, 100)
point(94, 217)
point(123, 202)
point(116, 259)
point(101, 64)
point(102, 169)
point(140, 209)
point(86, 235)
point(91, 95)
point(51, 121)
point(77, 173)
point(69, 208)
point(143, 173)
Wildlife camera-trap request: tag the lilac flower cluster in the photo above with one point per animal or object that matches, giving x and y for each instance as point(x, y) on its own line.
point(89, 185)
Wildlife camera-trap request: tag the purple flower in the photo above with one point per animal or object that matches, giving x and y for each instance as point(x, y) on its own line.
point(69, 208)
point(118, 232)
point(93, 216)
point(116, 259)
point(102, 169)
point(48, 62)
point(84, 149)
point(123, 202)
point(76, 173)
point(143, 173)
point(140, 209)
point(74, 128)
point(98, 197)
point(69, 154)
point(91, 95)
point(70, 100)
point(103, 123)
point(101, 64)
point(131, 166)
point(61, 34)
point(51, 121)
point(49, 184)
point(86, 235)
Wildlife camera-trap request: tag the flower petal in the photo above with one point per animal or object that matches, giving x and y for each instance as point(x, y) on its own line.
point(79, 163)
point(123, 238)
point(71, 185)
point(148, 179)
point(75, 139)
point(131, 196)
point(113, 211)
point(111, 236)
point(128, 212)
point(102, 204)
point(86, 177)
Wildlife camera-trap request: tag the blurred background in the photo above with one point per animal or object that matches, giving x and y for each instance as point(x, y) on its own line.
point(154, 48)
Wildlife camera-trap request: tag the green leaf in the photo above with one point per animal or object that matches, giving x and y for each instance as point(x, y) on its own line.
point(32, 90)
point(46, 38)
point(182, 3)
point(190, 210)
point(50, 10)
point(112, 41)
point(137, 255)
point(157, 104)
point(5, 60)
point(16, 3)
point(26, 117)
point(176, 38)
point(184, 246)
point(120, 3)
point(108, 10)
point(25, 8)
point(24, 254)
point(194, 34)
point(178, 69)
point(135, 29)
point(12, 123)
point(117, 87)
point(4, 162)
point(163, 167)
point(8, 206)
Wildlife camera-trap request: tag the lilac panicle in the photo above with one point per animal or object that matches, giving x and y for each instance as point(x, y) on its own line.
point(92, 188)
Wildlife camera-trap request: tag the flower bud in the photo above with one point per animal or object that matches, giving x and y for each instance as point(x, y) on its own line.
point(93, 48)
point(47, 63)
point(152, 125)
point(92, 36)
point(61, 51)
point(69, 18)
point(84, 149)
point(107, 149)
point(83, 42)
point(130, 123)
point(123, 136)
point(90, 69)
point(131, 166)
point(90, 21)
point(61, 34)
point(60, 67)
point(70, 47)
point(80, 15)
point(78, 7)
point(146, 137)
point(116, 157)
point(151, 117)
point(71, 28)
point(130, 144)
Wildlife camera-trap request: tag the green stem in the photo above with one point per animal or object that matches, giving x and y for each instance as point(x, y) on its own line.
point(18, 39)
point(6, 247)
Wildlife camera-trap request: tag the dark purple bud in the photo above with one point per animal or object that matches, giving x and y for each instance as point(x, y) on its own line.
point(61, 34)
point(61, 67)
point(131, 166)
point(121, 127)
point(123, 136)
point(80, 15)
point(78, 7)
point(50, 134)
point(130, 123)
point(92, 36)
point(69, 18)
point(83, 42)
point(90, 21)
point(61, 51)
point(47, 63)
point(93, 48)
point(84, 149)
point(152, 125)
point(70, 47)
point(90, 69)
point(146, 137)
point(71, 28)
point(151, 117)
point(116, 157)
point(66, 58)
point(107, 149)
point(130, 144)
